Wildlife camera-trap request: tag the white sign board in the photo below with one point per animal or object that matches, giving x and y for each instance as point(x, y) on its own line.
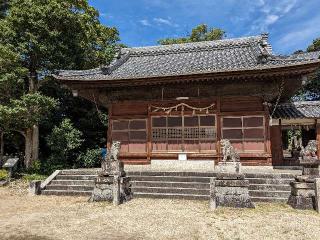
point(10, 163)
point(182, 156)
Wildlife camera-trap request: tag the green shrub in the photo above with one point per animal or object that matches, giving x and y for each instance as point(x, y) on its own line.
point(3, 174)
point(31, 177)
point(91, 158)
point(35, 167)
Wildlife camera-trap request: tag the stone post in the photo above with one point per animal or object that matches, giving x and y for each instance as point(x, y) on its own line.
point(317, 194)
point(116, 190)
point(212, 203)
point(34, 187)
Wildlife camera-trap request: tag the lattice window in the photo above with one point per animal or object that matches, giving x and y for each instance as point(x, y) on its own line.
point(159, 134)
point(132, 134)
point(247, 133)
point(191, 132)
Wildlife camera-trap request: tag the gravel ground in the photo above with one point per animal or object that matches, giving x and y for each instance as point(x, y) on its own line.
point(44, 217)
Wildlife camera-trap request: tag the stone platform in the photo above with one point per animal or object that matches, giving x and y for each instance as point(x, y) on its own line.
point(230, 190)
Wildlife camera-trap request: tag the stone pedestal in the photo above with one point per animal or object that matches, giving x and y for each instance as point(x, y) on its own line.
point(114, 189)
point(229, 167)
point(230, 190)
point(303, 195)
point(317, 194)
point(34, 187)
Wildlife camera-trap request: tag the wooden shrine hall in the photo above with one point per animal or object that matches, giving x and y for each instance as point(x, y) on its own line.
point(177, 100)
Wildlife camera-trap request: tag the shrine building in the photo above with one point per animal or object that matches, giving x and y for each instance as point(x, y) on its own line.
point(178, 101)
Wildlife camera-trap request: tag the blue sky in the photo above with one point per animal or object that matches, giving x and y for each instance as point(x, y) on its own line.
point(292, 24)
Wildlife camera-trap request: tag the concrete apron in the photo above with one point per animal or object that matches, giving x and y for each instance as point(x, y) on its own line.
point(199, 166)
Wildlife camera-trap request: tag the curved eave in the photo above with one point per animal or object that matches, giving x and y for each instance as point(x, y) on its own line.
point(283, 70)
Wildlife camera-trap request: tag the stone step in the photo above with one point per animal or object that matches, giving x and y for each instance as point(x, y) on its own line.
point(269, 199)
point(75, 177)
point(70, 187)
point(73, 182)
point(197, 185)
point(270, 175)
point(166, 173)
point(170, 196)
point(170, 179)
point(186, 191)
point(271, 194)
point(66, 193)
point(269, 181)
point(270, 187)
point(80, 172)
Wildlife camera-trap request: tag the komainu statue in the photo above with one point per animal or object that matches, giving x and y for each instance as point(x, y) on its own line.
point(228, 151)
point(111, 164)
point(310, 150)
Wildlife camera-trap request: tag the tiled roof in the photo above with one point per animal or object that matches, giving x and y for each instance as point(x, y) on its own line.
point(248, 53)
point(306, 55)
point(303, 109)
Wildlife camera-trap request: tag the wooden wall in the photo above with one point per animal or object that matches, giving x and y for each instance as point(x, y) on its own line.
point(225, 106)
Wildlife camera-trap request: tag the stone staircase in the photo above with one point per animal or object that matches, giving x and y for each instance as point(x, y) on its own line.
point(72, 183)
point(183, 185)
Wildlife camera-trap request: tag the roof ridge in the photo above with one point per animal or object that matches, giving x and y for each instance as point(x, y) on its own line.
point(214, 43)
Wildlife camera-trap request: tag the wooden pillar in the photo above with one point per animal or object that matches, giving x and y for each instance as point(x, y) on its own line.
point(149, 144)
point(318, 136)
point(109, 131)
point(267, 138)
point(276, 143)
point(218, 123)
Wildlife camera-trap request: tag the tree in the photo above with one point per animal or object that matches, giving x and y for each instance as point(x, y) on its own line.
point(311, 91)
point(315, 46)
point(11, 81)
point(198, 34)
point(21, 114)
point(63, 141)
point(54, 34)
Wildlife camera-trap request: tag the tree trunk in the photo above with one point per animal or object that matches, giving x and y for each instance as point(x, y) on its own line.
point(28, 148)
point(35, 143)
point(1, 147)
point(33, 133)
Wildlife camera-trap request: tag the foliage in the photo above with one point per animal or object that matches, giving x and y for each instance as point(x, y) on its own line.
point(198, 34)
point(50, 34)
point(36, 38)
point(315, 46)
point(311, 90)
point(81, 112)
point(3, 174)
point(63, 142)
point(64, 138)
point(22, 113)
point(4, 4)
point(34, 176)
point(35, 167)
point(12, 74)
point(91, 158)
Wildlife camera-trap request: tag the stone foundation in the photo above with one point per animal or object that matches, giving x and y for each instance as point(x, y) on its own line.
point(303, 194)
point(230, 190)
point(228, 167)
point(114, 189)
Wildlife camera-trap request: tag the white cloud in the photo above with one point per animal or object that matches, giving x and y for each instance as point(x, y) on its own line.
point(145, 22)
point(162, 21)
point(302, 33)
point(271, 12)
point(271, 19)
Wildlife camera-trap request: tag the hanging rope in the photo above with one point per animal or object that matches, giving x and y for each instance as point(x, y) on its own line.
point(168, 110)
point(278, 98)
point(100, 114)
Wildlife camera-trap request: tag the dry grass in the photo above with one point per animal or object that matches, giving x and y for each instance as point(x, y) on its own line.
point(43, 217)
